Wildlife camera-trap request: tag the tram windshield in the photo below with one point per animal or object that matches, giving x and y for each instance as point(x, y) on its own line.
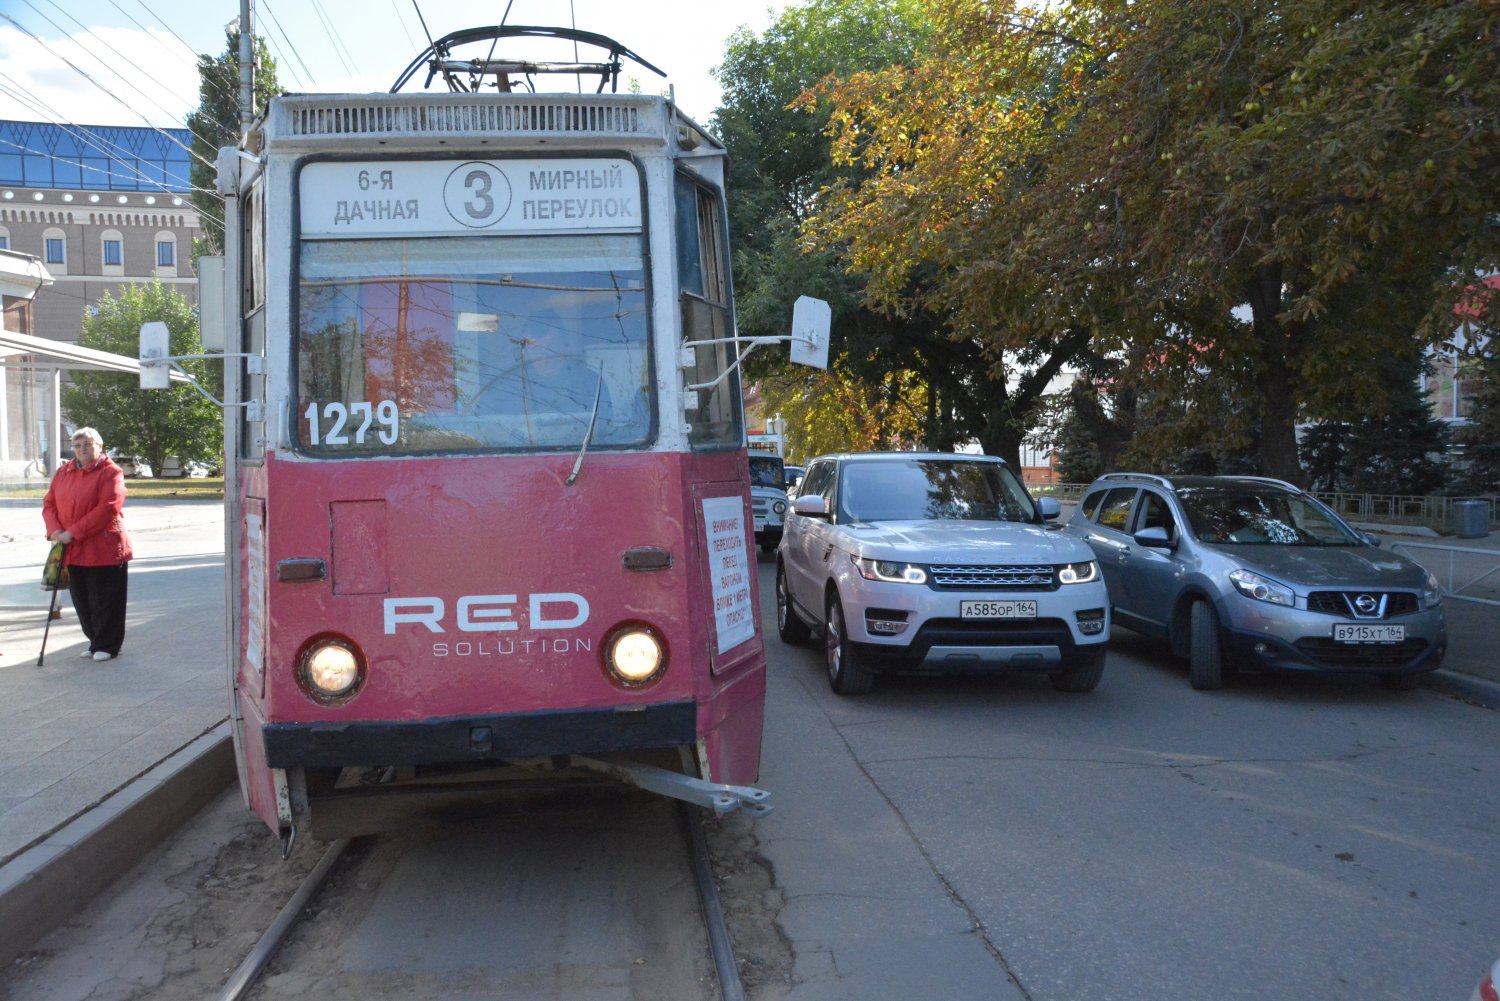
point(463, 343)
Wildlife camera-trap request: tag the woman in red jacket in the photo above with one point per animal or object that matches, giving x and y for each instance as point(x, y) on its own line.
point(84, 509)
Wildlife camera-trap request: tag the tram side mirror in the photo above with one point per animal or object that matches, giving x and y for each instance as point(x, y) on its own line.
point(156, 372)
point(211, 302)
point(811, 320)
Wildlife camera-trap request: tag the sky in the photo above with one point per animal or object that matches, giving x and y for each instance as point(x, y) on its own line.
point(134, 62)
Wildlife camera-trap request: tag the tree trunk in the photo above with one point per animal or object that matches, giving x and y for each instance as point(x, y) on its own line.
point(1278, 346)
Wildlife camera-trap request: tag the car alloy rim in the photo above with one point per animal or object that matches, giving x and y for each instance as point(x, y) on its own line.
point(781, 599)
point(835, 640)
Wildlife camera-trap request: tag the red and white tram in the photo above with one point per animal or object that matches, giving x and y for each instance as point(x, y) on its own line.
point(487, 508)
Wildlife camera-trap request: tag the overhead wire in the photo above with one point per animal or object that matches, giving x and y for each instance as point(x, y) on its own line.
point(231, 95)
point(317, 6)
point(416, 45)
point(96, 83)
point(311, 81)
point(86, 138)
point(94, 55)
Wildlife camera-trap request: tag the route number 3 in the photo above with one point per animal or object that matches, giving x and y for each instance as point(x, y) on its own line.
point(477, 194)
point(354, 418)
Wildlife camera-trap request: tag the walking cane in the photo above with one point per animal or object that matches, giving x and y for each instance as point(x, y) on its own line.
point(48, 628)
point(51, 613)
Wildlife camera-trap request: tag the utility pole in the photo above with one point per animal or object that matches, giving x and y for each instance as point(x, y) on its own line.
point(247, 69)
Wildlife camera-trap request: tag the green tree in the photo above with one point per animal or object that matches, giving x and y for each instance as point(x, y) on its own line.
point(216, 124)
point(902, 363)
point(1396, 452)
point(1261, 195)
point(153, 424)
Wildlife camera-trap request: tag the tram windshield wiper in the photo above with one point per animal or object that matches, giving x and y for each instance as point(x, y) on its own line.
point(588, 435)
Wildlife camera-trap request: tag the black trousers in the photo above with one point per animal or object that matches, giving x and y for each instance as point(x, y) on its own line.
point(99, 598)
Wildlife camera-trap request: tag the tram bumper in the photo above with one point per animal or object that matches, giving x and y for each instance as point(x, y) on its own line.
point(420, 770)
point(480, 738)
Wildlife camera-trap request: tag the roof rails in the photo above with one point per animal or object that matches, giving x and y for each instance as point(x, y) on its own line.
point(1160, 481)
point(1270, 479)
point(466, 75)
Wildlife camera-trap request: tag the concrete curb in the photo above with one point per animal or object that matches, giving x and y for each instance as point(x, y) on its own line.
point(1480, 691)
point(43, 886)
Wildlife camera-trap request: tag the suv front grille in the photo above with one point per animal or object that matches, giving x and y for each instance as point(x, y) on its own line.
point(1343, 603)
point(1024, 577)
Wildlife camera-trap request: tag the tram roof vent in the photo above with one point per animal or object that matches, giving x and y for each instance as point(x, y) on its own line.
point(392, 117)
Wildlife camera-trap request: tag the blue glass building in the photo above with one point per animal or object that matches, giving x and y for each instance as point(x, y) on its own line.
point(94, 157)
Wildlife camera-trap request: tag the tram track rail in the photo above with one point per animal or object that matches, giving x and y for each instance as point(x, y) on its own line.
point(721, 947)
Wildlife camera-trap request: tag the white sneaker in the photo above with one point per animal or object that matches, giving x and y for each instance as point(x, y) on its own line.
point(86, 655)
point(101, 655)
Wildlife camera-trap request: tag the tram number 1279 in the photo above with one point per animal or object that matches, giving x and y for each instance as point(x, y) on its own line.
point(341, 418)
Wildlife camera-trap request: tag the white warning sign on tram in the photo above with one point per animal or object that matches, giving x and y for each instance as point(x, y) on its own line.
point(399, 198)
point(729, 569)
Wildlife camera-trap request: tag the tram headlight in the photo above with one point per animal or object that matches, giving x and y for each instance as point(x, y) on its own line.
point(330, 669)
point(634, 655)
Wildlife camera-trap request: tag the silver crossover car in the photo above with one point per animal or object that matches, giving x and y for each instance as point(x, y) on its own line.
point(1246, 572)
point(933, 562)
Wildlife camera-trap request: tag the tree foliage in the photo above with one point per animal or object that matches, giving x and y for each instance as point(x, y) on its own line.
point(154, 424)
point(898, 367)
point(1250, 200)
point(834, 411)
point(216, 124)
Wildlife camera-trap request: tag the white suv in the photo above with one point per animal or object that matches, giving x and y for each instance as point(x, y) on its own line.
point(768, 501)
point(934, 562)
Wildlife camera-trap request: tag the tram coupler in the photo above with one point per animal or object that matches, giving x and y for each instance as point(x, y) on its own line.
point(716, 796)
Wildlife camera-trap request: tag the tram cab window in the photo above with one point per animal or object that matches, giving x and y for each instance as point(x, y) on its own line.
point(465, 343)
point(713, 417)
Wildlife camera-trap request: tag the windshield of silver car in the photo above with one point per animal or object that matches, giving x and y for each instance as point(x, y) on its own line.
point(932, 489)
point(1261, 518)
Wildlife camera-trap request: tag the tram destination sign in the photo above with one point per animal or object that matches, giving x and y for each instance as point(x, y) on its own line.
point(372, 198)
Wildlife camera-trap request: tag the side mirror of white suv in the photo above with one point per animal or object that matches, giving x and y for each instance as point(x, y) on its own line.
point(812, 507)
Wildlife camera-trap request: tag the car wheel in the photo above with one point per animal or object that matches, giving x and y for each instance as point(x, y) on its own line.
point(1399, 682)
point(1205, 654)
point(845, 675)
point(790, 628)
point(1082, 673)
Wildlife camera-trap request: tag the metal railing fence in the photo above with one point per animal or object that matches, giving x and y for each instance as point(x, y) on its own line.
point(1476, 566)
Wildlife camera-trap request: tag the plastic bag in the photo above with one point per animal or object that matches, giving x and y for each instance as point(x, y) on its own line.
point(54, 573)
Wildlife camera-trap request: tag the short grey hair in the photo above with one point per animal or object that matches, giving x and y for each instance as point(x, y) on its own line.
point(90, 434)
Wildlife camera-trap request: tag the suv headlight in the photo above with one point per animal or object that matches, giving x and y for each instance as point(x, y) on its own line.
point(1432, 591)
point(1078, 573)
point(890, 571)
point(1253, 585)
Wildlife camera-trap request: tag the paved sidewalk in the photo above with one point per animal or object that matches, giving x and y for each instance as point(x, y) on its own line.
point(89, 748)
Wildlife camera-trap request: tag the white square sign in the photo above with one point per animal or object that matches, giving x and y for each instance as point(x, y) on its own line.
point(729, 569)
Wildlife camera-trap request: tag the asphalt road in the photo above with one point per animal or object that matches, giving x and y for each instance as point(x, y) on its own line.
point(1287, 837)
